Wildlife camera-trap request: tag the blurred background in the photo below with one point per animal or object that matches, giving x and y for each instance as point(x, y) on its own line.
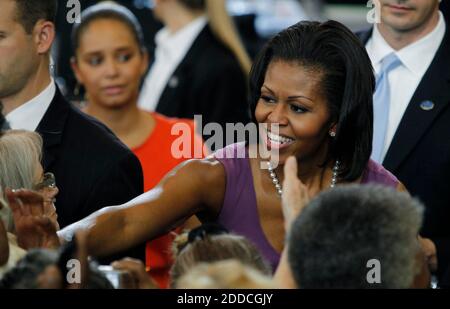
point(257, 21)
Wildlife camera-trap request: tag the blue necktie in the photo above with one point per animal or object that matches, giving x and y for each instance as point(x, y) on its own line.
point(381, 105)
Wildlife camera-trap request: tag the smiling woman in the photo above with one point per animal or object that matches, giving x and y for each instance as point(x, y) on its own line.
point(315, 81)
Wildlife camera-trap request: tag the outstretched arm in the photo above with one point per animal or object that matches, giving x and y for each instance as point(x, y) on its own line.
point(197, 186)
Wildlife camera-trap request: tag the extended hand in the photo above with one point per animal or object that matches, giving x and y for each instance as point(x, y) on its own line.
point(429, 249)
point(295, 194)
point(137, 271)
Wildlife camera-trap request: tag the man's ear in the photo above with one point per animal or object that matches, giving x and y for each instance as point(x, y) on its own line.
point(44, 35)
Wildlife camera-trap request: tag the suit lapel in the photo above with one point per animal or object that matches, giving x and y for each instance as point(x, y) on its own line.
point(52, 126)
point(364, 36)
point(434, 87)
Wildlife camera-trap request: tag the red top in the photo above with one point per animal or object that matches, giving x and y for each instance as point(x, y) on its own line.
point(157, 159)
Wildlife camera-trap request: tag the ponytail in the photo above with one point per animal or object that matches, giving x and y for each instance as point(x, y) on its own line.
point(224, 28)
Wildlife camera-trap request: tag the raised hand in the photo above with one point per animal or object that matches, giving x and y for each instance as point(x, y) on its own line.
point(33, 228)
point(137, 271)
point(295, 194)
point(429, 249)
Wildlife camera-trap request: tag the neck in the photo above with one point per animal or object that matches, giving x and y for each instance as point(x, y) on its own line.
point(179, 17)
point(121, 121)
point(36, 83)
point(400, 39)
point(312, 173)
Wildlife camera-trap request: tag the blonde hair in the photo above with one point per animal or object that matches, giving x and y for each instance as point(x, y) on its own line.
point(20, 151)
point(227, 274)
point(213, 248)
point(224, 28)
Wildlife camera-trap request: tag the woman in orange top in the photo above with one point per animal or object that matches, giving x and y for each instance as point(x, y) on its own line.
point(110, 61)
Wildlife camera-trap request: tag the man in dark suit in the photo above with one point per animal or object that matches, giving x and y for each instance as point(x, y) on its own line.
point(416, 141)
point(93, 168)
point(208, 82)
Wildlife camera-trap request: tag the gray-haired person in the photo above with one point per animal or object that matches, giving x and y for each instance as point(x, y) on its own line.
point(358, 237)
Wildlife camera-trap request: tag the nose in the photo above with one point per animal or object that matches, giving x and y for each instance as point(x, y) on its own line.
point(111, 68)
point(278, 114)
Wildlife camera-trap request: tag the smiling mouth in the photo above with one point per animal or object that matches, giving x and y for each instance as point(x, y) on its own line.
point(277, 141)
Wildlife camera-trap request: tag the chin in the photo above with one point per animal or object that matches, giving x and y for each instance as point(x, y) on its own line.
point(399, 23)
point(115, 101)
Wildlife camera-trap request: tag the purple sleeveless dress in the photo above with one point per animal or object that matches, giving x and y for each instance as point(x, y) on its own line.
point(239, 212)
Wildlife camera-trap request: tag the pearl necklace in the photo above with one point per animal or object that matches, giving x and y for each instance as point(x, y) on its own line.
point(277, 184)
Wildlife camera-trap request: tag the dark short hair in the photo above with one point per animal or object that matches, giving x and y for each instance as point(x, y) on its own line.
point(25, 273)
point(108, 10)
point(347, 83)
point(340, 231)
point(29, 12)
point(194, 4)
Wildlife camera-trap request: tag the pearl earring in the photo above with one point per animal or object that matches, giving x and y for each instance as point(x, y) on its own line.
point(332, 134)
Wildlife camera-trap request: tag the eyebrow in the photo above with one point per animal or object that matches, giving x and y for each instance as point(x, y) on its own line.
point(119, 49)
point(291, 97)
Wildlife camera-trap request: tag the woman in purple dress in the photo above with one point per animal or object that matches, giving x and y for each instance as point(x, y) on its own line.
point(315, 81)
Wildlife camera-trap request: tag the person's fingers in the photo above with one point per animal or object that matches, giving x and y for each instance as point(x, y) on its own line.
point(290, 168)
point(128, 264)
point(134, 267)
point(295, 193)
point(29, 202)
point(34, 201)
point(13, 202)
point(290, 183)
point(429, 250)
point(45, 225)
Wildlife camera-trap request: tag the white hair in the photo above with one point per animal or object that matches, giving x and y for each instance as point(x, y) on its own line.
point(20, 152)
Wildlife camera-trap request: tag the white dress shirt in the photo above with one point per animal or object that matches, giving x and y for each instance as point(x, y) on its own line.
point(170, 52)
point(404, 80)
point(29, 115)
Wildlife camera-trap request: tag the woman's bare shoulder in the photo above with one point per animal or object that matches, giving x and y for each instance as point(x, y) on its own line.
point(208, 169)
point(207, 176)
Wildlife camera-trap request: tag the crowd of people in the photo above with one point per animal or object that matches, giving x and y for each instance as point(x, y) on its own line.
point(354, 193)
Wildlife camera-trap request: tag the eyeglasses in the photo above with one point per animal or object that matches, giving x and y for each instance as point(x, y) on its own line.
point(49, 181)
